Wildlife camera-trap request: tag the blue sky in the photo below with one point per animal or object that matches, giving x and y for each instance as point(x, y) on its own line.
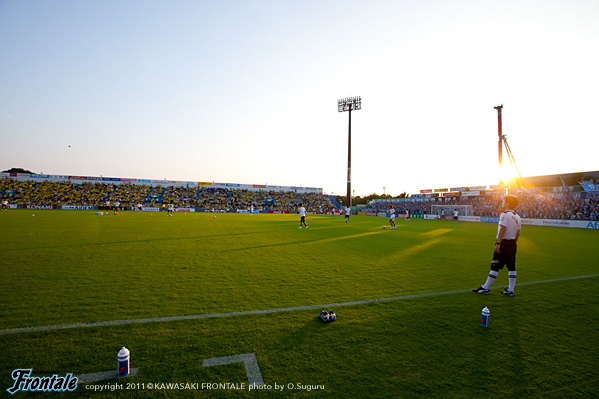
point(246, 91)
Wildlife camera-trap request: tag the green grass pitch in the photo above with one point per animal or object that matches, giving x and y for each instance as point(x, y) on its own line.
point(67, 267)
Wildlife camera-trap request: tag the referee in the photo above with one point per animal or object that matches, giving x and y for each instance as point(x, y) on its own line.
point(505, 247)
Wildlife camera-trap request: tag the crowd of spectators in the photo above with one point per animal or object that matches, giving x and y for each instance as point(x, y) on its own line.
point(561, 206)
point(87, 194)
point(129, 195)
point(244, 199)
point(413, 208)
point(52, 193)
point(180, 197)
point(283, 200)
point(214, 199)
point(578, 206)
point(317, 202)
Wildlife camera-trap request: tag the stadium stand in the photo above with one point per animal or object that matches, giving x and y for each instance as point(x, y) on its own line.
point(573, 206)
point(534, 206)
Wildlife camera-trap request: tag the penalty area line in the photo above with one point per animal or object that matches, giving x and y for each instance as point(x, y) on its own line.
point(254, 312)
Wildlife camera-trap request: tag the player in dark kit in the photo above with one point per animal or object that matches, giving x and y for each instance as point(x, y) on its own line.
point(505, 247)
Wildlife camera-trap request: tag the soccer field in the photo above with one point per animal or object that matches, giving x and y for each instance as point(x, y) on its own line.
point(178, 291)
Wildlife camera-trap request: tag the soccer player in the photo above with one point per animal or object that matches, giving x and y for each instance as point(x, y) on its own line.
point(347, 213)
point(170, 209)
point(407, 215)
point(392, 217)
point(455, 216)
point(251, 210)
point(107, 207)
point(116, 207)
point(5, 204)
point(505, 247)
point(302, 212)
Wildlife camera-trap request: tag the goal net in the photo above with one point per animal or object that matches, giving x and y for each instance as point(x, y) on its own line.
point(446, 211)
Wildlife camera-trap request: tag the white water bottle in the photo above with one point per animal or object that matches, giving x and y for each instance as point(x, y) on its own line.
point(123, 358)
point(484, 320)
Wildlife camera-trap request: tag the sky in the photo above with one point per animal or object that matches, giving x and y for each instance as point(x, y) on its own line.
point(246, 91)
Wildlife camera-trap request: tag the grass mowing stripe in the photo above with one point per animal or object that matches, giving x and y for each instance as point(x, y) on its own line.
point(263, 311)
point(324, 240)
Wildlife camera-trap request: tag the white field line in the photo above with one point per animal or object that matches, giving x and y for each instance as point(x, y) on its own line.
point(263, 311)
point(105, 375)
point(249, 360)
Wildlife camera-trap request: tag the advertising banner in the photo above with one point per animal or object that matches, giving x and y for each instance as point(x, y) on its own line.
point(429, 191)
point(489, 219)
point(78, 207)
point(469, 218)
point(578, 224)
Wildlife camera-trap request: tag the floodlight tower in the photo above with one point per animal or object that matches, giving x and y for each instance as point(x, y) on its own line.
point(349, 104)
point(500, 142)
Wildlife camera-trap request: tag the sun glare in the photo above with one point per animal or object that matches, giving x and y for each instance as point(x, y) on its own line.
point(506, 173)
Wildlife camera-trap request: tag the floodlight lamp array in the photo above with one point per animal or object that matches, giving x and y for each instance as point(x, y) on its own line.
point(349, 104)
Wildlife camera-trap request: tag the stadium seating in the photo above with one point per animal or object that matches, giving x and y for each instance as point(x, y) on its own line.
point(49, 193)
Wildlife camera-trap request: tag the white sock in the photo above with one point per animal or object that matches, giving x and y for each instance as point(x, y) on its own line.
point(490, 279)
point(512, 280)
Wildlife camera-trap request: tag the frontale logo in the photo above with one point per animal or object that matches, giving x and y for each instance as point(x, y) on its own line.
point(56, 383)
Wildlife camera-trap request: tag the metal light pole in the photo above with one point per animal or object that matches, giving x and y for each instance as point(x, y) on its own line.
point(500, 143)
point(349, 104)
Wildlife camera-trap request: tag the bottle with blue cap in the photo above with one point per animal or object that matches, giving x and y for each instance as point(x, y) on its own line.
point(484, 321)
